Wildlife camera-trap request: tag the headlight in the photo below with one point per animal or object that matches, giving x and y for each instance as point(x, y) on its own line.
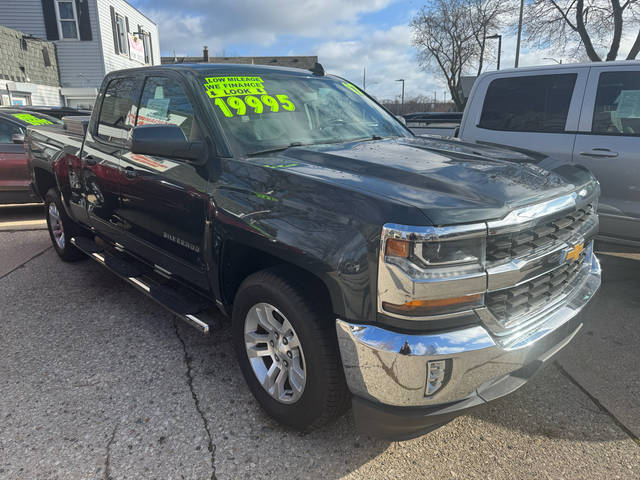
point(437, 257)
point(443, 270)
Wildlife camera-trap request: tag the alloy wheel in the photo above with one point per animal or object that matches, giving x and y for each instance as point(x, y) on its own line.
point(275, 353)
point(56, 225)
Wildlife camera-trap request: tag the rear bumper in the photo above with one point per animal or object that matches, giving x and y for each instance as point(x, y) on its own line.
point(387, 371)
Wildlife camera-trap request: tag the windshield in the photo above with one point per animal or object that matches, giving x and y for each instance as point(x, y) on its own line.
point(271, 110)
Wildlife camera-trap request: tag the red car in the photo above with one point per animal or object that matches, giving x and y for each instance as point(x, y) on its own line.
point(15, 181)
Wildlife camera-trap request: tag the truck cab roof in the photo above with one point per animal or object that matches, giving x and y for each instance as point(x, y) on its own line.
point(214, 67)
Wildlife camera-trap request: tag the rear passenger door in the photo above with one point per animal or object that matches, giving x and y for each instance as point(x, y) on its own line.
point(100, 157)
point(608, 144)
point(532, 111)
point(164, 200)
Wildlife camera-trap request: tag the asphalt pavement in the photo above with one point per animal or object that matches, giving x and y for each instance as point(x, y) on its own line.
point(22, 217)
point(97, 381)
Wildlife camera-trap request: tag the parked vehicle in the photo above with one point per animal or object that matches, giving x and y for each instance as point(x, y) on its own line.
point(416, 277)
point(434, 123)
point(585, 115)
point(15, 180)
point(56, 112)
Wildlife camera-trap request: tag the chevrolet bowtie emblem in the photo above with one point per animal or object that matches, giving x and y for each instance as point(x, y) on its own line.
point(572, 254)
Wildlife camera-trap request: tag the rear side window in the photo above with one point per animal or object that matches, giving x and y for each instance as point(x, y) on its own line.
point(536, 103)
point(165, 103)
point(8, 130)
point(118, 111)
point(617, 109)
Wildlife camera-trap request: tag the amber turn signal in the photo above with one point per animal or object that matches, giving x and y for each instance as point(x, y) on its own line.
point(426, 307)
point(397, 248)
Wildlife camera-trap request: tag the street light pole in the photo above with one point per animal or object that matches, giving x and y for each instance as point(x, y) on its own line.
point(499, 37)
point(402, 101)
point(519, 33)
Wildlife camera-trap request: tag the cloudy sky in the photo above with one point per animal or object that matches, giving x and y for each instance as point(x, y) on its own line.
point(347, 36)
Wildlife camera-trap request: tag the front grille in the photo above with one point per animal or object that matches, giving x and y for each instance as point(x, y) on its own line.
point(503, 247)
point(510, 304)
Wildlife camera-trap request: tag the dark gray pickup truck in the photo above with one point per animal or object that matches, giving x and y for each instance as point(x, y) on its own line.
point(412, 278)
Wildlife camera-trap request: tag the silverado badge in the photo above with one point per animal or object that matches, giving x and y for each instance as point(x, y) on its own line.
point(571, 254)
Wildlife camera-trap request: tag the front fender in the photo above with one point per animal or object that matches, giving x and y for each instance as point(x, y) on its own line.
point(327, 230)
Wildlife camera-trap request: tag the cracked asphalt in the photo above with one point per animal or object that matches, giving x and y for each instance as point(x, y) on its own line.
point(97, 381)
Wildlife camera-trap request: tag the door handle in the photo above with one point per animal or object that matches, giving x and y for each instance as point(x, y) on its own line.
point(130, 172)
point(91, 161)
point(600, 153)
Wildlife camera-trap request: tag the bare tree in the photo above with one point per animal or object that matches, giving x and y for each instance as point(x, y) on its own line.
point(595, 26)
point(486, 18)
point(450, 35)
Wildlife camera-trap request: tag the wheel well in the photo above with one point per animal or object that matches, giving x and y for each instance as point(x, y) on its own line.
point(239, 261)
point(44, 181)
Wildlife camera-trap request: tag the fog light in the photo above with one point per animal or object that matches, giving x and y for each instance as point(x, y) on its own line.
point(437, 375)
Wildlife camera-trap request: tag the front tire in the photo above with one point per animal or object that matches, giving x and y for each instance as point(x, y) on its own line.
point(286, 346)
point(61, 227)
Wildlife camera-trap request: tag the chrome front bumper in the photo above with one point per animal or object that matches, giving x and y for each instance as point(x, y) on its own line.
point(388, 368)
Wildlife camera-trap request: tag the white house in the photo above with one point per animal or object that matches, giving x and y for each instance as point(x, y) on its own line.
point(92, 38)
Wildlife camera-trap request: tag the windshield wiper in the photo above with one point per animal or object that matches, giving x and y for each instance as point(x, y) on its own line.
point(369, 139)
point(274, 149)
point(299, 144)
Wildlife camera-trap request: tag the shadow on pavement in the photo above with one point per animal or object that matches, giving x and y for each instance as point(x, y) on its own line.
point(99, 382)
point(605, 359)
point(600, 359)
point(550, 406)
point(244, 434)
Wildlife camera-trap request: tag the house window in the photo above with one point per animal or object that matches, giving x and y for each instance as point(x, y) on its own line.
point(66, 16)
point(146, 39)
point(122, 37)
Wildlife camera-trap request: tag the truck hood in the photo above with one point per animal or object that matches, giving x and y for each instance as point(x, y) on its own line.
point(450, 182)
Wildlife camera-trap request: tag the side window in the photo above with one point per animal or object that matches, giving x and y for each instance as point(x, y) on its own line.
point(617, 108)
point(118, 111)
point(164, 102)
point(7, 130)
point(535, 103)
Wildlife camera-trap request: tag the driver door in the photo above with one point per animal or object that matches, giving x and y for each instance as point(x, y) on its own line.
point(164, 200)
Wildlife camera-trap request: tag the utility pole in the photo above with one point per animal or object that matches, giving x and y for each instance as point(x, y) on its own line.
point(402, 101)
point(364, 79)
point(519, 34)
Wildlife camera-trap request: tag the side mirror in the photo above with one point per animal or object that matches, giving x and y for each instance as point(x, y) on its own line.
point(402, 120)
point(17, 138)
point(167, 141)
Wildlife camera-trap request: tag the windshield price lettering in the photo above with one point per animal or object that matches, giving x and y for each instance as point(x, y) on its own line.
point(31, 119)
point(231, 86)
point(257, 104)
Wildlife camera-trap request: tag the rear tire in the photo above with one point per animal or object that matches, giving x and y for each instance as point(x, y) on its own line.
point(298, 379)
point(61, 227)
